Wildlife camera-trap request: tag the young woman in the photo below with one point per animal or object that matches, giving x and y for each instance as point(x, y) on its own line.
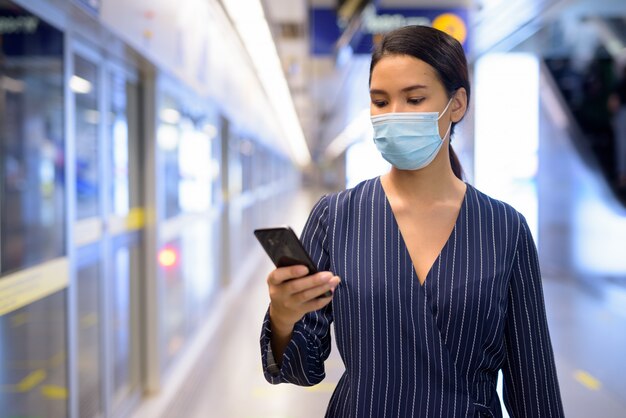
point(436, 286)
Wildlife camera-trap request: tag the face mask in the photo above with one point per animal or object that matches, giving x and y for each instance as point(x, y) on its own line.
point(409, 140)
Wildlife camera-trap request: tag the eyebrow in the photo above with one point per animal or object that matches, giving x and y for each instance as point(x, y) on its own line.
point(404, 90)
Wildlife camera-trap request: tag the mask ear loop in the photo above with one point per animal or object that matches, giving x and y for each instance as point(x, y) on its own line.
point(447, 132)
point(446, 108)
point(450, 125)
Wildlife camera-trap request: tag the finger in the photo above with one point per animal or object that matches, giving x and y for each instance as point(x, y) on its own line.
point(282, 274)
point(317, 291)
point(317, 304)
point(304, 283)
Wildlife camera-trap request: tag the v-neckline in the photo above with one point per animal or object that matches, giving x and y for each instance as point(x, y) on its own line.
point(457, 222)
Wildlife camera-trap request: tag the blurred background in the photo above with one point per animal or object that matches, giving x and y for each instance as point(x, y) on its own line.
point(141, 142)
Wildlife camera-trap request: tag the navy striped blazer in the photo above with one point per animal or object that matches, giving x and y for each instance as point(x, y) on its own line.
point(431, 350)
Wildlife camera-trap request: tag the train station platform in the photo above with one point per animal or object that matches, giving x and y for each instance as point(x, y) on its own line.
point(142, 142)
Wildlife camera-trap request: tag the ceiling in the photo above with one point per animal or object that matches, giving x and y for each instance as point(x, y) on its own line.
point(288, 23)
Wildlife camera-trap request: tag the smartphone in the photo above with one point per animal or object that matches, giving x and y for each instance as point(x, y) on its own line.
point(285, 249)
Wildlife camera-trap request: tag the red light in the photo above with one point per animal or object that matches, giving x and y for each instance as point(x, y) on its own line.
point(168, 257)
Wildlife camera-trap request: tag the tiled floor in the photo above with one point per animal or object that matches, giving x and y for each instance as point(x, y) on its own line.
point(589, 341)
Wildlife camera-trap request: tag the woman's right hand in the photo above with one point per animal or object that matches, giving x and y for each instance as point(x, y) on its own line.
point(293, 294)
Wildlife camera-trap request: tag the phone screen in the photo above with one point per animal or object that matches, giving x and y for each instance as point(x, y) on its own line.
point(284, 248)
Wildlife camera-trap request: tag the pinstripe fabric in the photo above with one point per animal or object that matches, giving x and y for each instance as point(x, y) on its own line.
point(431, 350)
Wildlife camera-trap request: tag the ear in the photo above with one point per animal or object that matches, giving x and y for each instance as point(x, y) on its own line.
point(459, 105)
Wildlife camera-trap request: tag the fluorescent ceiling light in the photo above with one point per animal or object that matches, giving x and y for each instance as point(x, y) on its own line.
point(80, 85)
point(254, 31)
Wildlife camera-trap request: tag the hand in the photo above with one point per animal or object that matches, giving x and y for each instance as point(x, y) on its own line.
point(293, 294)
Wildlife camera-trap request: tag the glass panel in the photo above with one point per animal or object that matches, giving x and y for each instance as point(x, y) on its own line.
point(168, 138)
point(173, 313)
point(84, 84)
point(194, 161)
point(119, 194)
point(32, 190)
point(89, 341)
point(126, 259)
point(216, 165)
point(189, 272)
point(246, 152)
point(189, 149)
point(235, 170)
point(199, 270)
point(33, 355)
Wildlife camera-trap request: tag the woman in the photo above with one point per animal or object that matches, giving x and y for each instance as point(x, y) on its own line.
point(440, 284)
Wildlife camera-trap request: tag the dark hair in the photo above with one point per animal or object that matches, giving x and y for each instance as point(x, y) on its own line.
point(439, 50)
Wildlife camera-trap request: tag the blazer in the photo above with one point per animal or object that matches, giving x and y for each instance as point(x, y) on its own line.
point(431, 350)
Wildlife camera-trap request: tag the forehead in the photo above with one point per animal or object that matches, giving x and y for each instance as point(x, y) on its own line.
point(399, 70)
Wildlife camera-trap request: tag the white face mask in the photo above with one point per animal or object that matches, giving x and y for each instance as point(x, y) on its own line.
point(409, 140)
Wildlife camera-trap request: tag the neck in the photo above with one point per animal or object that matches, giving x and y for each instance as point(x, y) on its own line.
point(433, 183)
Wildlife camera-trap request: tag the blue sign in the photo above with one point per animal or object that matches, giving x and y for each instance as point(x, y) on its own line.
point(24, 34)
point(326, 27)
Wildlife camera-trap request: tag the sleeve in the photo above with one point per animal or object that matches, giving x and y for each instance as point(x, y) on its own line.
point(303, 360)
point(531, 387)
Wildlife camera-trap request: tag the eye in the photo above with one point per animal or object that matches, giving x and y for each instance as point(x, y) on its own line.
point(379, 103)
point(415, 100)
